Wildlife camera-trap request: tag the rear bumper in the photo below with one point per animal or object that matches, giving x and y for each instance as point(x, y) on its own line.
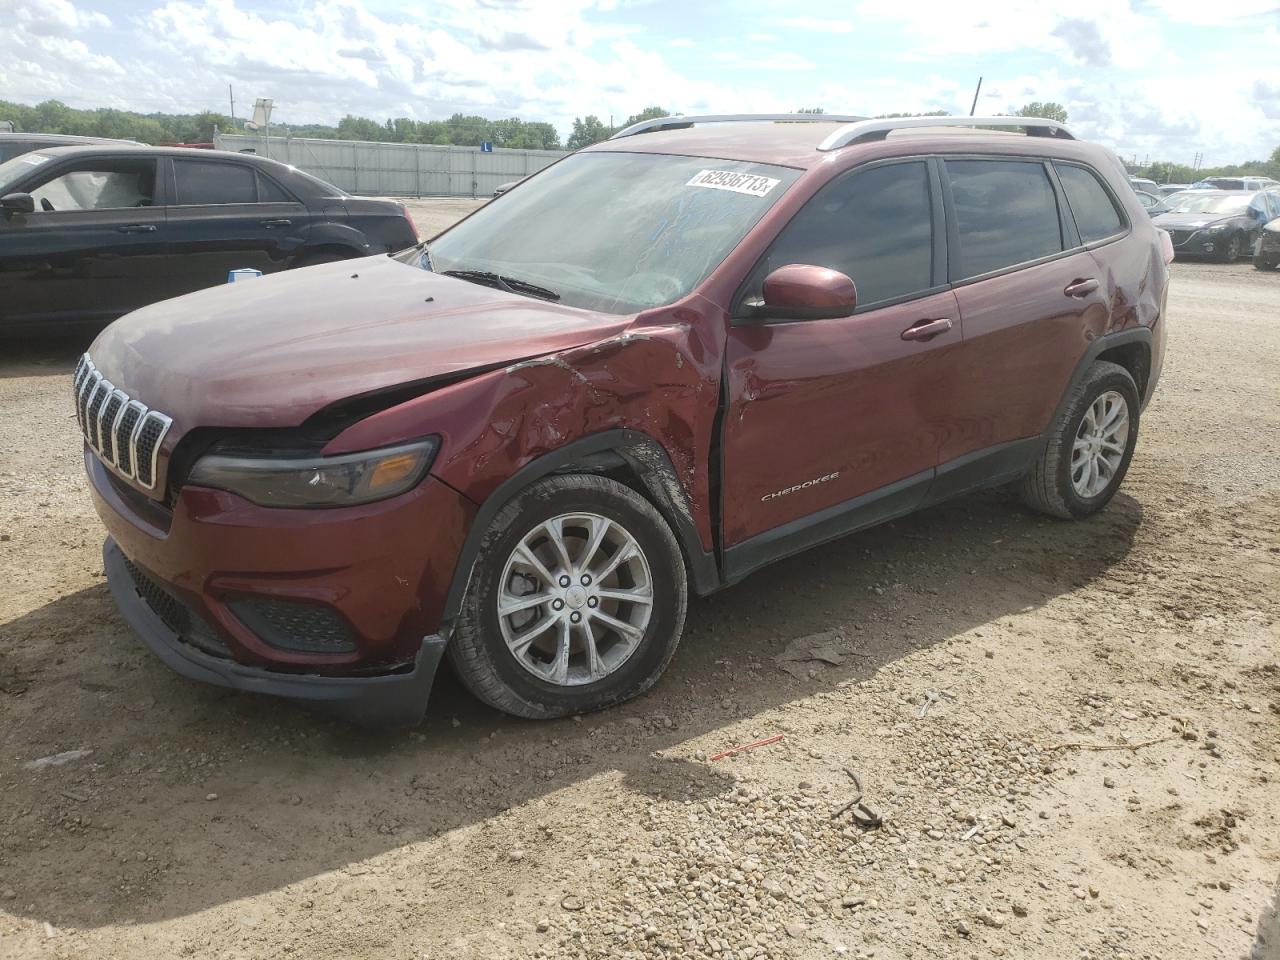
point(395, 699)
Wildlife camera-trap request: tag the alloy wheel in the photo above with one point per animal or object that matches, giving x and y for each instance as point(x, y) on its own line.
point(575, 599)
point(1100, 443)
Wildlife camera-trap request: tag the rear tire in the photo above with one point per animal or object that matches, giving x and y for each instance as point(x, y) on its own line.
point(565, 552)
point(1080, 467)
point(1264, 263)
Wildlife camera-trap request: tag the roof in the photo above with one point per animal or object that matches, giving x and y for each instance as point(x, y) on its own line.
point(788, 144)
point(798, 144)
point(67, 138)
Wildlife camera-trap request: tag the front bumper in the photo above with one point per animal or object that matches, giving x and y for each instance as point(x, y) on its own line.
point(195, 582)
point(1199, 243)
point(397, 699)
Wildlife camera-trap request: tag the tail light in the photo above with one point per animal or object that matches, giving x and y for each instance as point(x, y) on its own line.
point(1166, 245)
point(414, 227)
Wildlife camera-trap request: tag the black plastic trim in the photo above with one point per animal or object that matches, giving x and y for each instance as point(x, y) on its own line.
point(393, 699)
point(1109, 342)
point(645, 456)
point(984, 468)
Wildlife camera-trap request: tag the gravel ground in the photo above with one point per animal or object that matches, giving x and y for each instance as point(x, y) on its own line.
point(1071, 732)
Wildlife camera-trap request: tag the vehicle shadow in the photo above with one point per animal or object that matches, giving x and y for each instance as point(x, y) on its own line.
point(41, 356)
point(126, 835)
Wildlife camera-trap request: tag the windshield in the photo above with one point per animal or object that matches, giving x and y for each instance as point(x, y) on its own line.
point(1223, 203)
point(615, 232)
point(14, 170)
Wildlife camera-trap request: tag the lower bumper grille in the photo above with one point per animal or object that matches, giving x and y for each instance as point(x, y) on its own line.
point(295, 625)
point(190, 627)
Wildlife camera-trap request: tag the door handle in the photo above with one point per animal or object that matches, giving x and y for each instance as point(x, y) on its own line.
point(276, 223)
point(926, 329)
point(1081, 288)
point(137, 228)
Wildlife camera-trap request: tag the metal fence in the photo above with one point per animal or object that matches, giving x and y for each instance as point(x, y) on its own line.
point(397, 169)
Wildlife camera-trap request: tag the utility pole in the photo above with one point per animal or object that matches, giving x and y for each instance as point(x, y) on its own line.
point(232, 95)
point(974, 106)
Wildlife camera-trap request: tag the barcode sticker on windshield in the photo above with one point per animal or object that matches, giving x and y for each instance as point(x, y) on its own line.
point(747, 183)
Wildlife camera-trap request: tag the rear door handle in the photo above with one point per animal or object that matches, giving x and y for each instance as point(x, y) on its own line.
point(926, 329)
point(1081, 288)
point(137, 228)
point(276, 223)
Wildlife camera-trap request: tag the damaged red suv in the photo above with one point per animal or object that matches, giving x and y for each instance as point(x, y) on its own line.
point(651, 369)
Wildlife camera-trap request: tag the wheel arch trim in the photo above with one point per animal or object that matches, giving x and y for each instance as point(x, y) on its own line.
point(644, 456)
point(1140, 336)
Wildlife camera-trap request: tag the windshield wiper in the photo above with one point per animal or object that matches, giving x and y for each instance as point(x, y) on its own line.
point(509, 284)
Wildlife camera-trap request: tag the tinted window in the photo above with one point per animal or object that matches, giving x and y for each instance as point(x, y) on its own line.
point(199, 182)
point(1096, 215)
point(873, 225)
point(105, 184)
point(269, 192)
point(1006, 213)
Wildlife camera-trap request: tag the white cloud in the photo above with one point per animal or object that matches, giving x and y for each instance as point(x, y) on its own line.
point(1113, 63)
point(819, 24)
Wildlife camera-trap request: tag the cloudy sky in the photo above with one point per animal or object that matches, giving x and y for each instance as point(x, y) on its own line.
point(1158, 78)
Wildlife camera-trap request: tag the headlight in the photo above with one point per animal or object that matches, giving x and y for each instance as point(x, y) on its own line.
point(340, 481)
point(1216, 228)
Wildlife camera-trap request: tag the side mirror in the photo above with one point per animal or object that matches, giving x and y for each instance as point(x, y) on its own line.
point(802, 291)
point(17, 203)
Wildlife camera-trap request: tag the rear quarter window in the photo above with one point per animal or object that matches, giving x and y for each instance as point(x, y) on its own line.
point(1006, 213)
point(1096, 214)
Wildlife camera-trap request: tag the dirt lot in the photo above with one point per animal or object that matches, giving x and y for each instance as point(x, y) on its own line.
point(1095, 775)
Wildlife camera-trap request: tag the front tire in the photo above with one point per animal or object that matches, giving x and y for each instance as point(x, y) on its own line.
point(576, 600)
point(1088, 446)
point(1231, 252)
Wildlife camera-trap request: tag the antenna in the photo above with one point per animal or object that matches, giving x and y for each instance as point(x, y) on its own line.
point(974, 106)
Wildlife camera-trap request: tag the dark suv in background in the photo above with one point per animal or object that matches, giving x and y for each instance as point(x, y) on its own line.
point(684, 353)
point(91, 232)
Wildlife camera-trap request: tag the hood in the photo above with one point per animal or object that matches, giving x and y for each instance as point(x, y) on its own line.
point(1189, 221)
point(271, 351)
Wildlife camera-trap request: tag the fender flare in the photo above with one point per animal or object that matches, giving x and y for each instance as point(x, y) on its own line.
point(1099, 346)
point(334, 234)
point(645, 456)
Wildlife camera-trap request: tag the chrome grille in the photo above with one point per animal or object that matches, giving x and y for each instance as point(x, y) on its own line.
point(122, 431)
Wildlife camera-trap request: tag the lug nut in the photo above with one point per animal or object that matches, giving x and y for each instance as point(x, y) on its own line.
point(593, 601)
point(575, 617)
point(586, 579)
point(564, 581)
point(557, 604)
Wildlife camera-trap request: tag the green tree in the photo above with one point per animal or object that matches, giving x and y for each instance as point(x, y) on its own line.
point(811, 110)
point(1045, 111)
point(648, 113)
point(587, 131)
point(360, 128)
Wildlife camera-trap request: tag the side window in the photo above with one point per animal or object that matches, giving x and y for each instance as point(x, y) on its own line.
point(108, 183)
point(1006, 213)
point(1095, 212)
point(269, 192)
point(203, 182)
point(873, 225)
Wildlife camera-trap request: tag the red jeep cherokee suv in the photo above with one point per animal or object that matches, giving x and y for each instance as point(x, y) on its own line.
point(655, 367)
